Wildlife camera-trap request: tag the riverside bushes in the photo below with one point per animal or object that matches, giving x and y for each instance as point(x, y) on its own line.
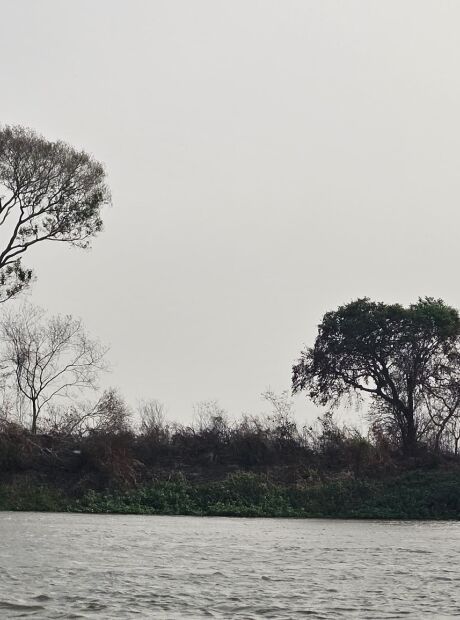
point(413, 495)
point(251, 468)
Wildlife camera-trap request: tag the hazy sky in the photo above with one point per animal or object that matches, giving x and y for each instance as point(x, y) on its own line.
point(268, 161)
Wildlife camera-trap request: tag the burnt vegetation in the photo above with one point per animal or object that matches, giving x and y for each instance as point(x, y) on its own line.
point(107, 447)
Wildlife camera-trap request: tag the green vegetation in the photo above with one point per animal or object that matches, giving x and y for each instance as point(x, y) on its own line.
point(414, 495)
point(406, 361)
point(253, 467)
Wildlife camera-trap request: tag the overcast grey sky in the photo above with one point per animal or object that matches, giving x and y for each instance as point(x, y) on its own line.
point(268, 161)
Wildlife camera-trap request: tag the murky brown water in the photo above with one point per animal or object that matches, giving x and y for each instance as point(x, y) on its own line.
point(98, 566)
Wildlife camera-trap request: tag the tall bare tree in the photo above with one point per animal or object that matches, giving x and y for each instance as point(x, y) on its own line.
point(48, 357)
point(48, 192)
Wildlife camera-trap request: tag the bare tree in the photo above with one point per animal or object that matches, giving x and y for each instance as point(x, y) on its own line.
point(48, 358)
point(112, 414)
point(152, 418)
point(210, 417)
point(48, 192)
point(443, 408)
point(108, 415)
point(281, 420)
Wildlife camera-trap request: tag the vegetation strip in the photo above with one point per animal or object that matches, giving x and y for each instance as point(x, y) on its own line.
point(416, 495)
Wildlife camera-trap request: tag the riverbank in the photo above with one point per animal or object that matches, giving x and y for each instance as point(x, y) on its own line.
point(412, 495)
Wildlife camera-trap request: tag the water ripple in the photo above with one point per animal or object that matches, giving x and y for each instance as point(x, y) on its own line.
point(104, 566)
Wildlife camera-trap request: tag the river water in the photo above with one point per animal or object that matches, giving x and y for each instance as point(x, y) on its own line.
point(108, 566)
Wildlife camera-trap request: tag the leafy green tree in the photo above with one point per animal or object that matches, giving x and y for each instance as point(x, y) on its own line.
point(393, 354)
point(48, 192)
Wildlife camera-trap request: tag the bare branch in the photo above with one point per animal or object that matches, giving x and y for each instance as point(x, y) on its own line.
point(49, 357)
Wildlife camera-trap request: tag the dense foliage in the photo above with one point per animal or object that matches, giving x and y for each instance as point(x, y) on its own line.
point(49, 191)
point(412, 495)
point(403, 359)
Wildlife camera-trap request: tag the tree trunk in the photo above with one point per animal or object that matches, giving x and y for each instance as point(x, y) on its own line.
point(437, 440)
point(34, 417)
point(410, 434)
point(409, 437)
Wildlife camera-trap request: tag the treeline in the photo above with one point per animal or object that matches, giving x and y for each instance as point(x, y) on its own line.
point(257, 466)
point(401, 365)
point(109, 448)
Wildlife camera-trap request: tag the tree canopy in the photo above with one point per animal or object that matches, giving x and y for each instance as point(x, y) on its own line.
point(49, 191)
point(395, 355)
